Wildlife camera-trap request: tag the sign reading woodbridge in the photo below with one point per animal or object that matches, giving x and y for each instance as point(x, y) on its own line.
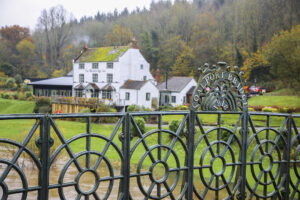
point(219, 88)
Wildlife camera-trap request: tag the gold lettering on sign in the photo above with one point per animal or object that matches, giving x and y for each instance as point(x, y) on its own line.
point(212, 77)
point(230, 77)
point(234, 80)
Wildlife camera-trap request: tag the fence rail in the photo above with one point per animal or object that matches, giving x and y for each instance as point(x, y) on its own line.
point(240, 156)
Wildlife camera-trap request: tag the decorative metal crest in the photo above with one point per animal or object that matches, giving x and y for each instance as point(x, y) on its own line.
point(219, 88)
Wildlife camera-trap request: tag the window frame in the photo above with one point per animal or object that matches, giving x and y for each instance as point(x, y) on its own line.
point(95, 65)
point(173, 99)
point(148, 96)
point(109, 65)
point(106, 94)
point(81, 75)
point(81, 66)
point(127, 96)
point(141, 66)
point(109, 79)
point(93, 78)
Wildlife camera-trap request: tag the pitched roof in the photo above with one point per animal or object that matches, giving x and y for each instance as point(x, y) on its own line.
point(94, 86)
point(191, 90)
point(175, 84)
point(61, 81)
point(108, 87)
point(135, 85)
point(79, 86)
point(101, 54)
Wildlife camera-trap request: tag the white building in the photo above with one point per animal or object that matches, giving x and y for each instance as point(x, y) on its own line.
point(177, 90)
point(117, 75)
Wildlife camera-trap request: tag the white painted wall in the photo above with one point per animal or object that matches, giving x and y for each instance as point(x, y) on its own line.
point(180, 95)
point(138, 97)
point(127, 67)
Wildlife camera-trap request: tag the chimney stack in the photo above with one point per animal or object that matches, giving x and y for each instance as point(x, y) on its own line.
point(157, 75)
point(133, 44)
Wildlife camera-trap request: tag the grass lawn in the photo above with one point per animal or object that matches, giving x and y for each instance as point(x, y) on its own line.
point(15, 106)
point(283, 101)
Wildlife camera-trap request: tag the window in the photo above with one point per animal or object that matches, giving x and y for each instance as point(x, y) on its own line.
point(145, 78)
point(109, 65)
point(95, 94)
point(81, 78)
point(78, 93)
point(173, 99)
point(81, 65)
point(147, 96)
point(106, 94)
point(109, 78)
point(166, 99)
point(142, 66)
point(95, 66)
point(95, 78)
point(127, 95)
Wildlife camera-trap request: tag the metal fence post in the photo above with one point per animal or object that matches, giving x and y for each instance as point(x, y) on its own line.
point(286, 190)
point(244, 133)
point(190, 156)
point(44, 144)
point(125, 182)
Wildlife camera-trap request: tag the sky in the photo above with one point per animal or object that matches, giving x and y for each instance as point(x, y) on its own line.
point(26, 12)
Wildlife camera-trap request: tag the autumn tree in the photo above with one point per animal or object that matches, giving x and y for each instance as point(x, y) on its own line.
point(119, 36)
point(283, 54)
point(256, 67)
point(14, 34)
point(26, 52)
point(184, 63)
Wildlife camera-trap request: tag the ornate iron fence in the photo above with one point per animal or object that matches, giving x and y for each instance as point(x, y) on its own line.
point(239, 156)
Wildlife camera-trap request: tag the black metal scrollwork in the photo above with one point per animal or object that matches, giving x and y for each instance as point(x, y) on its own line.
point(219, 88)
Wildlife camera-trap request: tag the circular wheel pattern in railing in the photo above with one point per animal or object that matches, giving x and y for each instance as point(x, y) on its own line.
point(87, 180)
point(11, 168)
point(88, 177)
point(295, 169)
point(154, 181)
point(265, 164)
point(217, 164)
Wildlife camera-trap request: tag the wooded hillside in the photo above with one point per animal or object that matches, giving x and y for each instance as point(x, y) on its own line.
point(261, 36)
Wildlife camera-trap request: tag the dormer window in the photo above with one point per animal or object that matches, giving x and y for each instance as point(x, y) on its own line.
point(142, 66)
point(95, 66)
point(81, 65)
point(109, 65)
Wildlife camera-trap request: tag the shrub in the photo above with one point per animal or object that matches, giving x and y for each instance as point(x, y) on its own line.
point(154, 103)
point(174, 125)
point(269, 109)
point(20, 96)
point(106, 108)
point(133, 108)
point(141, 124)
point(10, 83)
point(28, 94)
point(181, 107)
point(42, 105)
point(257, 108)
point(4, 95)
point(251, 109)
point(26, 87)
point(166, 108)
point(226, 134)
